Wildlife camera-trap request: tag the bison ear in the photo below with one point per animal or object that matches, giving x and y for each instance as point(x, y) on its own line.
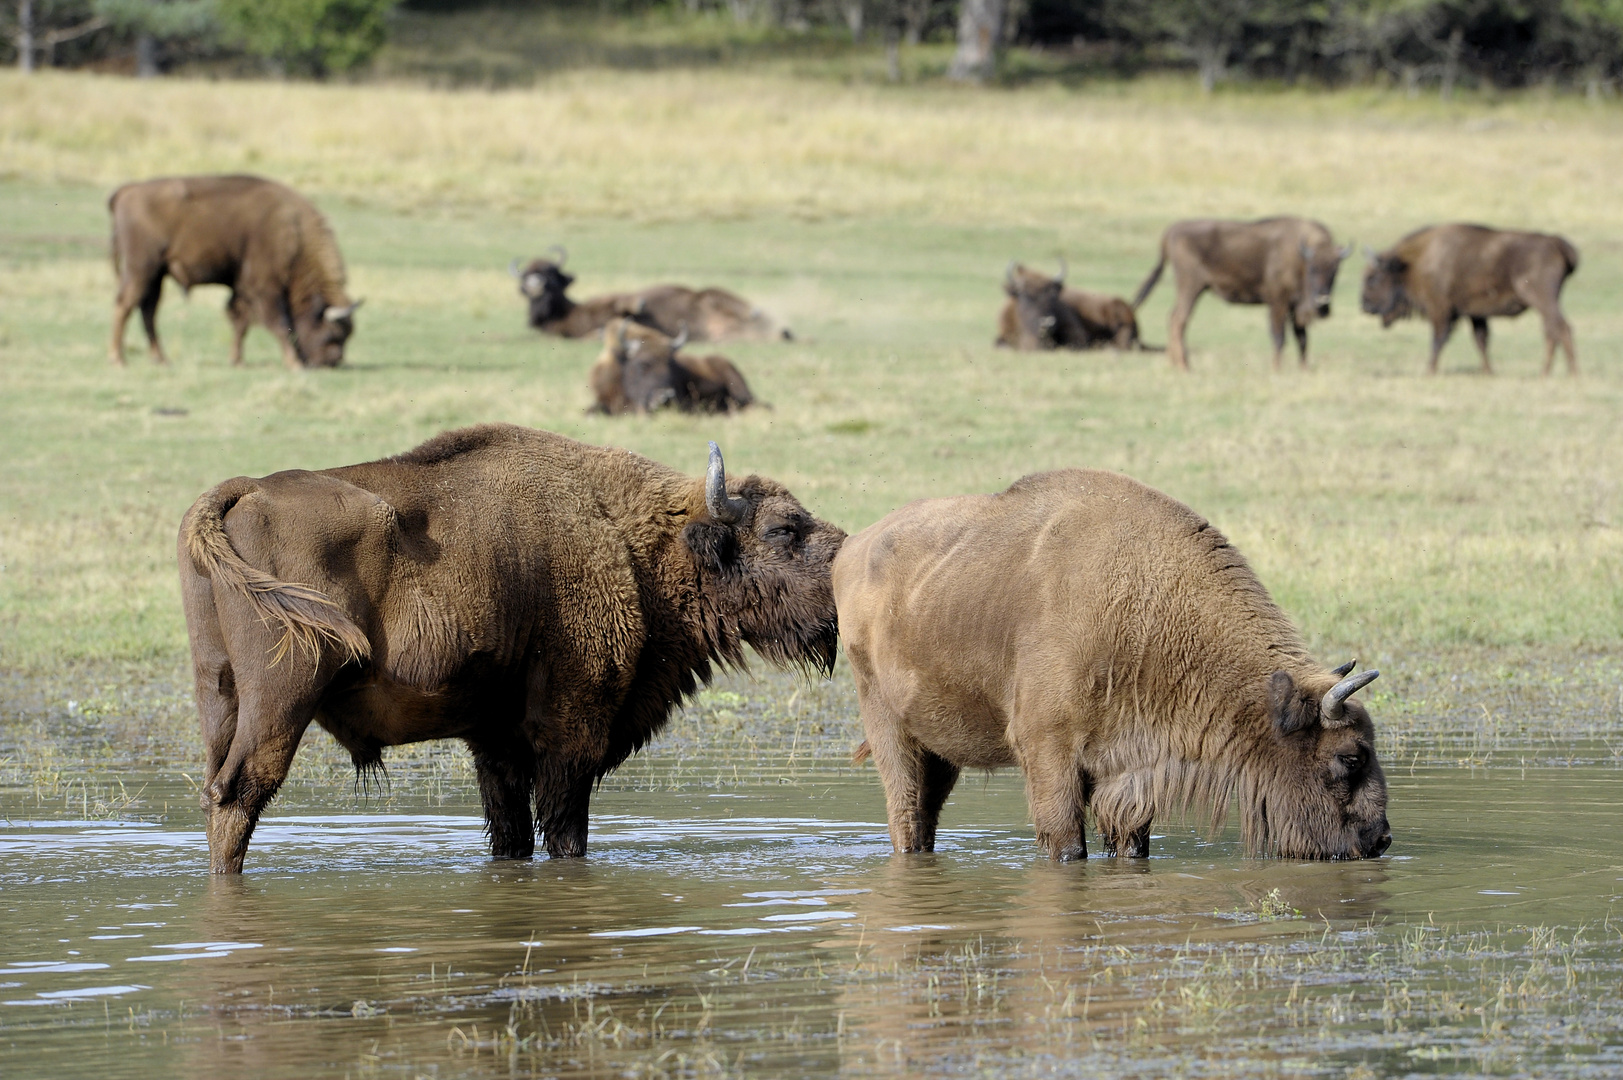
point(713, 544)
point(1285, 705)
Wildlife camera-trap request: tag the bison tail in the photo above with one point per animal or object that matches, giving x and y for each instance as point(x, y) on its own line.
point(862, 753)
point(306, 615)
point(1149, 282)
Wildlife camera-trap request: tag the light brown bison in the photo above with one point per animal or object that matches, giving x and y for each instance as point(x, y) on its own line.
point(1041, 313)
point(545, 601)
point(703, 314)
point(1287, 263)
point(1445, 271)
point(262, 240)
point(640, 370)
point(1112, 644)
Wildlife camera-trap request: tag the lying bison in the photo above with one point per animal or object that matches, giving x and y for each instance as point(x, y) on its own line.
point(1041, 313)
point(545, 601)
point(264, 241)
point(1446, 271)
point(640, 371)
point(1287, 263)
point(1112, 644)
point(703, 314)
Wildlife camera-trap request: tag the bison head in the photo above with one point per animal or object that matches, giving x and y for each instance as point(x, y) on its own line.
point(764, 566)
point(322, 331)
point(1042, 316)
point(1320, 264)
point(1320, 792)
point(543, 283)
point(642, 360)
point(1384, 294)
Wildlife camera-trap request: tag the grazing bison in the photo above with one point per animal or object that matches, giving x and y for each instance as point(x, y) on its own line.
point(545, 601)
point(1041, 313)
point(703, 314)
point(639, 371)
point(1112, 644)
point(1287, 263)
point(266, 242)
point(1445, 271)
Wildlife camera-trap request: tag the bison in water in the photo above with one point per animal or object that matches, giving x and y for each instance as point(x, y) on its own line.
point(545, 601)
point(639, 370)
point(1287, 263)
point(1041, 313)
point(1445, 271)
point(1111, 643)
point(702, 314)
point(266, 242)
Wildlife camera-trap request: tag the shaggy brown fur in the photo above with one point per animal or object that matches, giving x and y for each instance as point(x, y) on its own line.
point(1444, 272)
point(1112, 644)
point(674, 310)
point(264, 241)
point(545, 601)
point(1287, 263)
point(640, 370)
point(1042, 314)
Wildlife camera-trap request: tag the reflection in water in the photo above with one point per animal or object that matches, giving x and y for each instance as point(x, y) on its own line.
point(776, 933)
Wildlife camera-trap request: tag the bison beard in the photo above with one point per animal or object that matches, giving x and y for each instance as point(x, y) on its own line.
point(545, 601)
point(1114, 646)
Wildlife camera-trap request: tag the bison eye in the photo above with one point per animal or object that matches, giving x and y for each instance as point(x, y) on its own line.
point(1350, 762)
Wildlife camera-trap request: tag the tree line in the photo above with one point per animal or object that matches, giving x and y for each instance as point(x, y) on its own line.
point(1430, 45)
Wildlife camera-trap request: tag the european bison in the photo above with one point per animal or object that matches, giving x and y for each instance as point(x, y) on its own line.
point(1445, 271)
point(1287, 263)
point(1112, 644)
point(703, 314)
point(640, 370)
point(264, 241)
point(1041, 313)
point(545, 601)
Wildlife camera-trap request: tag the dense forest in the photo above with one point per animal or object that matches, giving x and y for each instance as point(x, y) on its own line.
point(1436, 45)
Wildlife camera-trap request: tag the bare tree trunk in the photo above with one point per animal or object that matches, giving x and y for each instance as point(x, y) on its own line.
point(1212, 59)
point(146, 56)
point(25, 36)
point(915, 13)
point(980, 33)
point(1451, 63)
point(893, 51)
point(853, 10)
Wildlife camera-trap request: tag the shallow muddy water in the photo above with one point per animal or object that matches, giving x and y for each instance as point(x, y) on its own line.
point(768, 930)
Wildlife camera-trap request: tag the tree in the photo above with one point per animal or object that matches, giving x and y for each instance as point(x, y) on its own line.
point(156, 23)
point(317, 37)
point(980, 37)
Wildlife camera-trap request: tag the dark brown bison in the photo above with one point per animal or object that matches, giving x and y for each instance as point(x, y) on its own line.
point(640, 370)
point(1112, 644)
point(1287, 263)
point(703, 314)
point(1041, 313)
point(264, 241)
point(1445, 271)
point(545, 601)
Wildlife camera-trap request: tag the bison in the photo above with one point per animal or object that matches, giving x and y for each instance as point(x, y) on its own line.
point(266, 242)
point(1446, 271)
point(1111, 643)
point(1287, 263)
point(545, 601)
point(703, 314)
point(1041, 313)
point(639, 371)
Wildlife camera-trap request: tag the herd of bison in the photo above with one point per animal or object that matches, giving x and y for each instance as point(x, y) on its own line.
point(550, 602)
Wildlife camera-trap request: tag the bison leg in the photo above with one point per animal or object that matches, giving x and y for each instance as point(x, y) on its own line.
point(279, 319)
point(506, 787)
point(1182, 307)
point(270, 723)
point(562, 800)
point(1129, 844)
point(1277, 317)
point(1301, 343)
point(149, 319)
point(1479, 331)
point(236, 309)
point(1557, 331)
point(1441, 330)
point(917, 783)
point(1057, 795)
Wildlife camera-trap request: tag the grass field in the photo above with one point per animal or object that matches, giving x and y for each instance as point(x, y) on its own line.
point(1393, 515)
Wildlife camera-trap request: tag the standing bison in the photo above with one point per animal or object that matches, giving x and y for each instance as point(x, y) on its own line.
point(640, 371)
point(1287, 263)
point(545, 601)
point(702, 314)
point(1111, 643)
point(1041, 313)
point(1445, 271)
point(264, 241)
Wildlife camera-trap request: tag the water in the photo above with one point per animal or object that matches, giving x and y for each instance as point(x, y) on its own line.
point(769, 930)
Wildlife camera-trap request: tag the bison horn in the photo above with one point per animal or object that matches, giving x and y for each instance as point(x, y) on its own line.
point(334, 312)
point(728, 511)
point(680, 339)
point(1345, 669)
point(1063, 270)
point(512, 268)
point(1334, 704)
point(563, 254)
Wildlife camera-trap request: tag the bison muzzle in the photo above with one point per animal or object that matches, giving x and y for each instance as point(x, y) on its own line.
point(545, 601)
point(1112, 644)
